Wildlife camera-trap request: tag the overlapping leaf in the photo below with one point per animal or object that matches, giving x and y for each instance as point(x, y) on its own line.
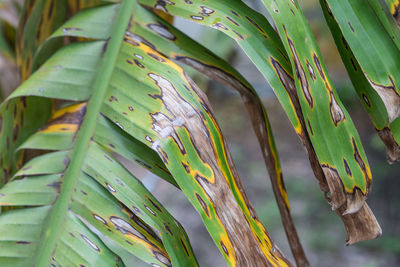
point(46, 177)
point(146, 28)
point(261, 43)
point(373, 41)
point(153, 100)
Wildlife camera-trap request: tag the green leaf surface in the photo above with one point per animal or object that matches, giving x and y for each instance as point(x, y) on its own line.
point(147, 86)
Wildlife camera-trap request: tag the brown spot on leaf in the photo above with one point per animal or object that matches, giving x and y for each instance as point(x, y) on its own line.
point(140, 65)
point(310, 70)
point(155, 205)
point(224, 248)
point(125, 228)
point(203, 204)
point(351, 27)
point(162, 31)
point(353, 64)
point(15, 133)
point(234, 13)
point(197, 17)
point(366, 100)
point(187, 169)
point(238, 34)
point(319, 68)
point(156, 57)
point(361, 163)
point(310, 128)
point(162, 258)
point(23, 242)
point(337, 196)
point(206, 11)
point(389, 96)
point(185, 248)
point(143, 164)
point(347, 167)
point(232, 21)
point(336, 111)
point(300, 73)
point(113, 98)
point(168, 229)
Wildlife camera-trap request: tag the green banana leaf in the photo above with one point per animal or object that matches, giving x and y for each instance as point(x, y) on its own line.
point(155, 32)
point(373, 40)
point(261, 43)
point(152, 100)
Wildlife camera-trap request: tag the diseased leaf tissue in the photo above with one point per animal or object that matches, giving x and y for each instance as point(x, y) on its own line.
point(104, 78)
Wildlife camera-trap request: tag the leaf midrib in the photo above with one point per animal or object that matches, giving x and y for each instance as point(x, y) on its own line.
point(99, 88)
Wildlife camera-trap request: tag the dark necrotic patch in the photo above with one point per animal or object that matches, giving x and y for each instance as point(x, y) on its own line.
point(162, 31)
point(90, 243)
point(351, 26)
point(140, 65)
point(108, 158)
point(206, 11)
point(143, 164)
point(255, 24)
point(345, 44)
point(162, 258)
point(300, 73)
point(22, 242)
point(336, 111)
point(238, 34)
point(124, 227)
point(154, 56)
point(347, 167)
point(224, 248)
point(113, 98)
point(15, 133)
point(219, 25)
point(309, 127)
point(129, 41)
point(197, 17)
point(184, 247)
point(203, 204)
point(50, 10)
point(168, 229)
point(318, 65)
point(234, 13)
point(366, 100)
point(359, 160)
point(162, 4)
point(155, 205)
point(66, 30)
point(353, 64)
point(135, 210)
point(232, 21)
point(134, 39)
point(100, 219)
point(150, 210)
point(187, 169)
point(311, 70)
